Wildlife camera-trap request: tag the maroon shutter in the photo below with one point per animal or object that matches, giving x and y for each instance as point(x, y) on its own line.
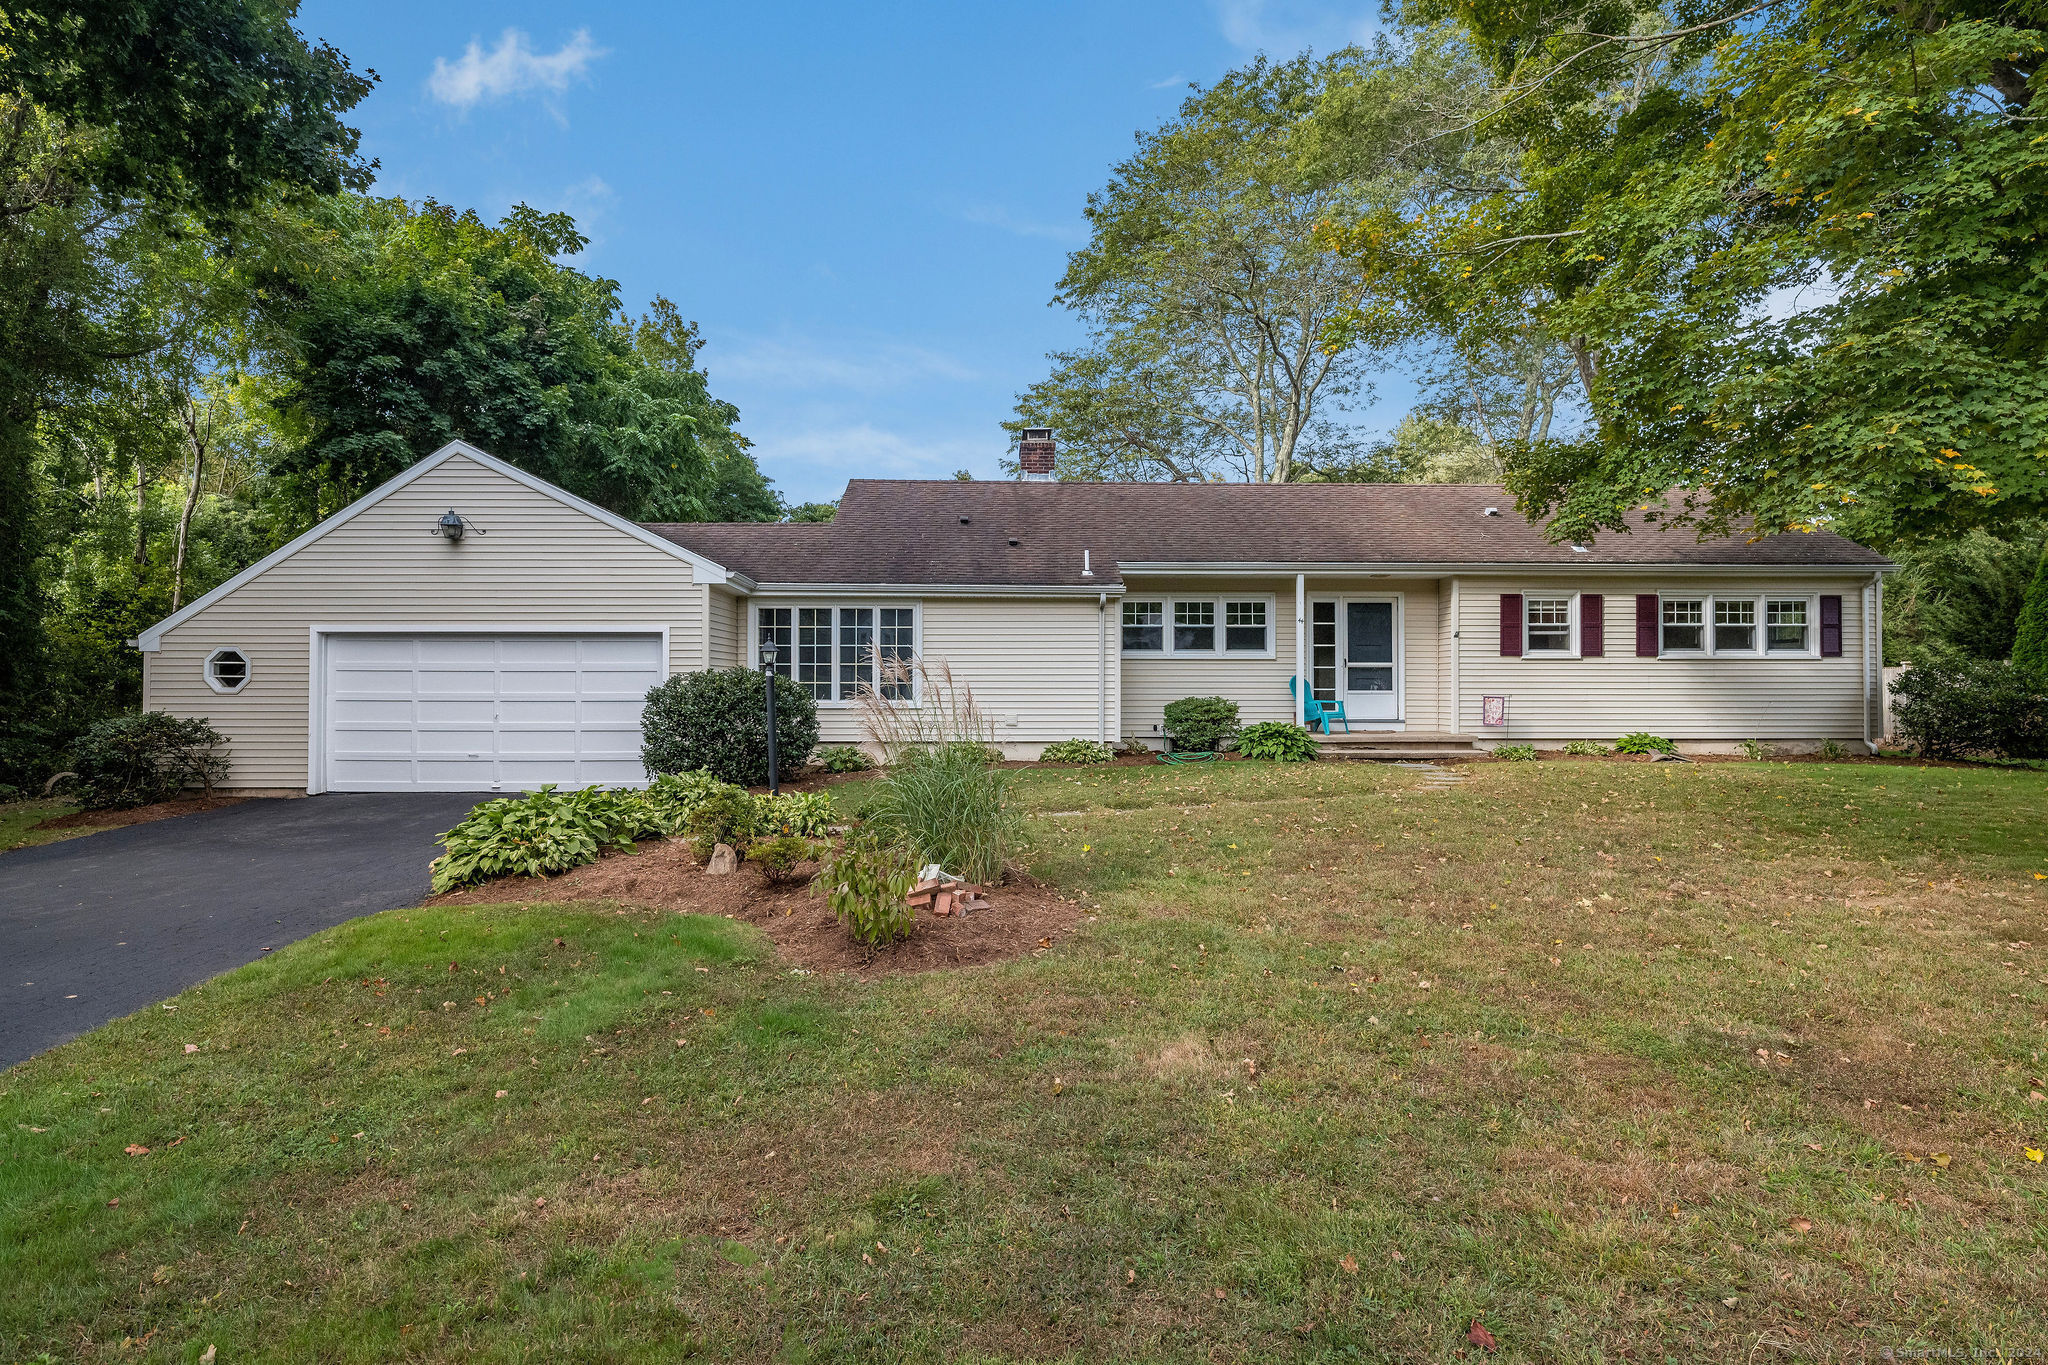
point(1831, 627)
point(1511, 625)
point(1592, 625)
point(1646, 625)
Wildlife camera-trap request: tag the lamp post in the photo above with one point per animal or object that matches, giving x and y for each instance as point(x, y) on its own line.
point(768, 656)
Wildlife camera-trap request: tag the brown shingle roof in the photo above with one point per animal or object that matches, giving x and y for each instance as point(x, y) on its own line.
point(902, 531)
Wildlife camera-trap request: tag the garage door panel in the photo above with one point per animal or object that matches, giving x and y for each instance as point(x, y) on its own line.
point(486, 713)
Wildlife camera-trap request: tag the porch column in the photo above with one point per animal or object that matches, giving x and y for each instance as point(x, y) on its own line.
point(1301, 683)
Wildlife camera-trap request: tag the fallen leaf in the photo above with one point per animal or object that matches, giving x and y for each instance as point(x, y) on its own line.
point(113, 1203)
point(206, 1356)
point(1130, 1276)
point(1218, 1293)
point(2033, 1153)
point(1397, 1256)
point(1802, 1225)
point(191, 1048)
point(137, 1149)
point(1349, 1265)
point(540, 1202)
point(1480, 1337)
point(1727, 1303)
point(503, 1093)
point(1942, 1159)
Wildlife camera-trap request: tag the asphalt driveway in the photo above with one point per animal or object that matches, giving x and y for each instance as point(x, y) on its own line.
point(95, 928)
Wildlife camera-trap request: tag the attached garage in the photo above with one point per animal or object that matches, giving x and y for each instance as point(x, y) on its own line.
point(482, 711)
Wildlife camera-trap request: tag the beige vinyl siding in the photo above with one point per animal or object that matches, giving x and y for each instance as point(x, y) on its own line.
point(1259, 686)
point(1700, 699)
point(535, 565)
point(723, 632)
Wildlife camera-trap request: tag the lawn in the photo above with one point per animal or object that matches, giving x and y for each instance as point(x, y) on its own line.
point(1625, 1061)
point(18, 821)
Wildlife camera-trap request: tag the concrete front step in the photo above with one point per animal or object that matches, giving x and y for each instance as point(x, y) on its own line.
point(1396, 739)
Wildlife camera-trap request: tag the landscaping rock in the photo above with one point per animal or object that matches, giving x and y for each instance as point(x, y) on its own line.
point(725, 860)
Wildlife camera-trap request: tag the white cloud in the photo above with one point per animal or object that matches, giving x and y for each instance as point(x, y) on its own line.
point(861, 450)
point(1169, 82)
point(807, 365)
point(1282, 28)
point(511, 68)
point(996, 216)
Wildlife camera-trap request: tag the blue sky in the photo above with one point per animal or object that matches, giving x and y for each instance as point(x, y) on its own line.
point(864, 206)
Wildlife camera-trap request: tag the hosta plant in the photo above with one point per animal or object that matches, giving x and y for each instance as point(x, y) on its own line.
point(1585, 748)
point(539, 835)
point(1278, 740)
point(808, 814)
point(1515, 753)
point(725, 815)
point(1643, 742)
point(1085, 751)
point(843, 758)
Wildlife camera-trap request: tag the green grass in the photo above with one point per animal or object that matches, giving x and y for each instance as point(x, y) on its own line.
point(1337, 1066)
point(18, 821)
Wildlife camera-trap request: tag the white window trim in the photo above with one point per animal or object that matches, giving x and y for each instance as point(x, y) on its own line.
point(1571, 629)
point(1168, 601)
point(1762, 599)
point(248, 669)
point(752, 642)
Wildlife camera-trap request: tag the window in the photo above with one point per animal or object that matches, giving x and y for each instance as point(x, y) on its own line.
point(1685, 624)
point(1785, 625)
point(1244, 627)
point(1547, 625)
point(1322, 636)
point(227, 670)
point(834, 653)
point(1194, 627)
point(1734, 626)
point(1144, 627)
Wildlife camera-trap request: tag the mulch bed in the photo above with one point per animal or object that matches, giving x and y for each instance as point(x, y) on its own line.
point(140, 815)
point(1024, 916)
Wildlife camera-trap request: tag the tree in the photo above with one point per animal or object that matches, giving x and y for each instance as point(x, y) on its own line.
point(1208, 296)
point(1962, 595)
point(2030, 642)
point(1681, 173)
point(812, 511)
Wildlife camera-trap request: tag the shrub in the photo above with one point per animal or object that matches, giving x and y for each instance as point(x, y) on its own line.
point(1756, 751)
point(535, 836)
point(1515, 753)
point(724, 815)
point(950, 805)
point(865, 880)
point(1957, 707)
point(1279, 740)
point(1586, 748)
point(1643, 742)
point(2030, 635)
point(843, 758)
point(671, 798)
point(1199, 725)
point(1830, 750)
point(806, 814)
point(1077, 751)
point(717, 720)
point(781, 859)
point(137, 760)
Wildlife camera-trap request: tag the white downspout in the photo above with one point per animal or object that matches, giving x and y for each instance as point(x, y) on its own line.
point(1301, 683)
point(1457, 665)
point(1102, 668)
point(1873, 640)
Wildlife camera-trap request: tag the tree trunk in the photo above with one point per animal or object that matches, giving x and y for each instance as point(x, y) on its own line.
point(141, 517)
point(191, 501)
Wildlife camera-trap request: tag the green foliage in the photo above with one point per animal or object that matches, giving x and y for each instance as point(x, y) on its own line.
point(865, 880)
point(1279, 740)
point(137, 760)
point(1080, 751)
point(1515, 753)
point(843, 758)
point(1201, 724)
point(722, 815)
point(672, 797)
point(1831, 750)
point(2030, 639)
point(781, 859)
point(1643, 742)
point(547, 832)
point(1961, 595)
point(949, 804)
point(1958, 707)
point(811, 512)
point(801, 813)
point(1756, 751)
point(717, 720)
point(1585, 748)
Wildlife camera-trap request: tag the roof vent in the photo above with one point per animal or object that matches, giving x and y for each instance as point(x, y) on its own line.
point(1015, 541)
point(1035, 454)
point(1579, 549)
point(1490, 512)
point(965, 521)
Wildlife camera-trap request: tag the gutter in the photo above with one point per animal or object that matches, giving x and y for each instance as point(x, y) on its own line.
point(1442, 568)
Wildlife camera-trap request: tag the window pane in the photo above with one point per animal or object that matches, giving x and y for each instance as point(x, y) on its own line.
point(1549, 623)
point(814, 651)
point(1370, 679)
point(1369, 634)
point(1322, 635)
point(1194, 626)
point(230, 669)
point(856, 651)
point(1244, 626)
point(1734, 626)
point(1685, 623)
point(1145, 625)
point(1785, 624)
point(774, 625)
point(895, 646)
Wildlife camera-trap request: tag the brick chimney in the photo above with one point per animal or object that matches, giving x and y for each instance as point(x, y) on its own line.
point(1035, 454)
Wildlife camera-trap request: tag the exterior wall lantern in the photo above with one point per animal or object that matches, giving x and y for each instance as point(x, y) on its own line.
point(768, 658)
point(452, 527)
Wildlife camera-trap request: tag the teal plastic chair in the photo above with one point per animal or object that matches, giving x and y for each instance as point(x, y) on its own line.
point(1320, 713)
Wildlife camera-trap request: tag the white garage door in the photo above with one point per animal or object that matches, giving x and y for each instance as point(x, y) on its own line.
point(485, 713)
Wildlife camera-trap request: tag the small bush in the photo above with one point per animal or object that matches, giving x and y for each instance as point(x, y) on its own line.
point(717, 720)
point(1515, 753)
point(806, 814)
point(724, 815)
point(950, 805)
point(1962, 708)
point(843, 758)
point(138, 760)
point(865, 880)
point(1830, 750)
point(1084, 751)
point(1201, 725)
point(1586, 748)
point(1756, 751)
point(671, 798)
point(781, 859)
point(1279, 740)
point(538, 835)
point(1643, 742)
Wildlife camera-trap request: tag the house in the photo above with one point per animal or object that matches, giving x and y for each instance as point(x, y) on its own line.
point(468, 626)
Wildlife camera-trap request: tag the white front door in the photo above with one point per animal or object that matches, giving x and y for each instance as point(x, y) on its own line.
point(484, 712)
point(1371, 672)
